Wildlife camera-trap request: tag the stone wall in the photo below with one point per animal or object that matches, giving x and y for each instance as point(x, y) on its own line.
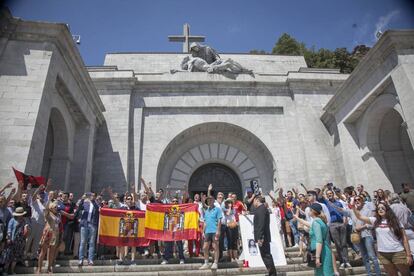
point(44, 84)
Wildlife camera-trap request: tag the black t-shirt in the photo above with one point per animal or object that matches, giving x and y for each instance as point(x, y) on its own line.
point(249, 205)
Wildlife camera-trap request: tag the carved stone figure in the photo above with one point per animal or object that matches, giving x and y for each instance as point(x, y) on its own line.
point(204, 52)
point(196, 64)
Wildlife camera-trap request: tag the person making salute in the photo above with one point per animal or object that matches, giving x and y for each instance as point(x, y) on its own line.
point(212, 227)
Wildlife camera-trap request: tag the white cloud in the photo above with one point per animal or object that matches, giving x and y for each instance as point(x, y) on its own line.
point(383, 22)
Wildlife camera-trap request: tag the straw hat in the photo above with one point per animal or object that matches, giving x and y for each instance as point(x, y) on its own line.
point(19, 212)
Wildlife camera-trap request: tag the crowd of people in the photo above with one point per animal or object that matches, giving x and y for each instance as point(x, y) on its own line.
point(39, 223)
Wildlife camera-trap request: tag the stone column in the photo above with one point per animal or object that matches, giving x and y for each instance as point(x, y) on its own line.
point(137, 141)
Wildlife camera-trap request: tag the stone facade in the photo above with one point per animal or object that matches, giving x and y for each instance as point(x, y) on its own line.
point(164, 126)
point(93, 127)
point(372, 116)
point(49, 107)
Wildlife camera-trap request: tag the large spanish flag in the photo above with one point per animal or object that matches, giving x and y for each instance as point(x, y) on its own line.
point(122, 228)
point(169, 222)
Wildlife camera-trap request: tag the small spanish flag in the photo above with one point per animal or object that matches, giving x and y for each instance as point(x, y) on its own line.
point(122, 228)
point(171, 222)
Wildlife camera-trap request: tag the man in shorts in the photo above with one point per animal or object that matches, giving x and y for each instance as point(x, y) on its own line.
point(212, 227)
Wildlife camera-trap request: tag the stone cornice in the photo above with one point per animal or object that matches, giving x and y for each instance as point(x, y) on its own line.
point(59, 35)
point(390, 43)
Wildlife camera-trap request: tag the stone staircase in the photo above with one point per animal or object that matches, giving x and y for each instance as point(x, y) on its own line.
point(152, 267)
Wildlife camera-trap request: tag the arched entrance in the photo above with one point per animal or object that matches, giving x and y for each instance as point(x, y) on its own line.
point(216, 148)
point(56, 163)
point(222, 177)
point(397, 150)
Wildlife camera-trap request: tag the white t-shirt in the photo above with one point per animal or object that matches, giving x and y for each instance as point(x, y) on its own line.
point(38, 210)
point(141, 205)
point(386, 240)
point(325, 210)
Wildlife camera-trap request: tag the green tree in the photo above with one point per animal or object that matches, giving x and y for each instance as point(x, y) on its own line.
point(287, 45)
point(341, 58)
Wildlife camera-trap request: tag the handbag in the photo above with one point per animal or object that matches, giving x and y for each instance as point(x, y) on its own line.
point(311, 258)
point(232, 224)
point(355, 237)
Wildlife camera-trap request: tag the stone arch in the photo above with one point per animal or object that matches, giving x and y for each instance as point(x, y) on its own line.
point(216, 142)
point(56, 157)
point(368, 130)
point(385, 145)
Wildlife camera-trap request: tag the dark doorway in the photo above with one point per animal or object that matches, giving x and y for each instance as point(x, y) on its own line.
point(222, 177)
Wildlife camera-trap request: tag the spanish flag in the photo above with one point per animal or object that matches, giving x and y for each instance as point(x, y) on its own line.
point(169, 222)
point(122, 228)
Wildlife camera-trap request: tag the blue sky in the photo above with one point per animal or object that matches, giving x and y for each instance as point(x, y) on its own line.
point(231, 26)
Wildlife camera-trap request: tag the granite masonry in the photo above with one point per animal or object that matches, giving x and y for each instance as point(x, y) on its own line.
point(93, 127)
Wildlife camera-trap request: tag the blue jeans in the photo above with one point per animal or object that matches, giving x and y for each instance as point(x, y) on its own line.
point(88, 234)
point(169, 250)
point(295, 232)
point(368, 253)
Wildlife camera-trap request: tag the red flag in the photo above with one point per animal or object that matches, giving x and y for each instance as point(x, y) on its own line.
point(36, 181)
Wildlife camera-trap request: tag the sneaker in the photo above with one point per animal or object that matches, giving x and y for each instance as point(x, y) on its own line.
point(57, 265)
point(164, 262)
point(181, 261)
point(342, 266)
point(214, 266)
point(80, 263)
point(348, 265)
point(90, 263)
point(205, 266)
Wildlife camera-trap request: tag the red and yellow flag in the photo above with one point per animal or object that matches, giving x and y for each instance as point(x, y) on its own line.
point(169, 222)
point(122, 228)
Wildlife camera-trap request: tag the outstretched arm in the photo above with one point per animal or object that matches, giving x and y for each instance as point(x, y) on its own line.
point(296, 216)
point(210, 187)
point(8, 185)
point(359, 216)
point(303, 186)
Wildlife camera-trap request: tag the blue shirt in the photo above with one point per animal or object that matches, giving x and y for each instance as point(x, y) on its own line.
point(335, 215)
point(211, 219)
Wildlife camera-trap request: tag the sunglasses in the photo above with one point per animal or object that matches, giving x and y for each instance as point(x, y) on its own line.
point(381, 208)
point(129, 198)
point(358, 199)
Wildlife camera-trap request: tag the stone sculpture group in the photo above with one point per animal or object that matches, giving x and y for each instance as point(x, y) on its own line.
point(205, 59)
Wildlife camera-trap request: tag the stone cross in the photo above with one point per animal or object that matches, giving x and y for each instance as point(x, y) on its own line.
point(186, 38)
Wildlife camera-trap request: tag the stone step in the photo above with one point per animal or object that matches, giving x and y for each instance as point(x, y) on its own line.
point(179, 269)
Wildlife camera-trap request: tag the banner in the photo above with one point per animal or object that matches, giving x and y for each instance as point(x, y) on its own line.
point(169, 222)
point(251, 252)
point(122, 228)
point(36, 181)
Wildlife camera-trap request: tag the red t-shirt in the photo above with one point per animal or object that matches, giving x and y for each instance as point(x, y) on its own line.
point(238, 207)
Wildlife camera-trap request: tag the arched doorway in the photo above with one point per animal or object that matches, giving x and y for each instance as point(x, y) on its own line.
point(397, 150)
point(56, 163)
point(222, 177)
point(226, 144)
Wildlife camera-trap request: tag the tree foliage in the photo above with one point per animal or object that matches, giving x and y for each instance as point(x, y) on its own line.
point(287, 45)
point(340, 58)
